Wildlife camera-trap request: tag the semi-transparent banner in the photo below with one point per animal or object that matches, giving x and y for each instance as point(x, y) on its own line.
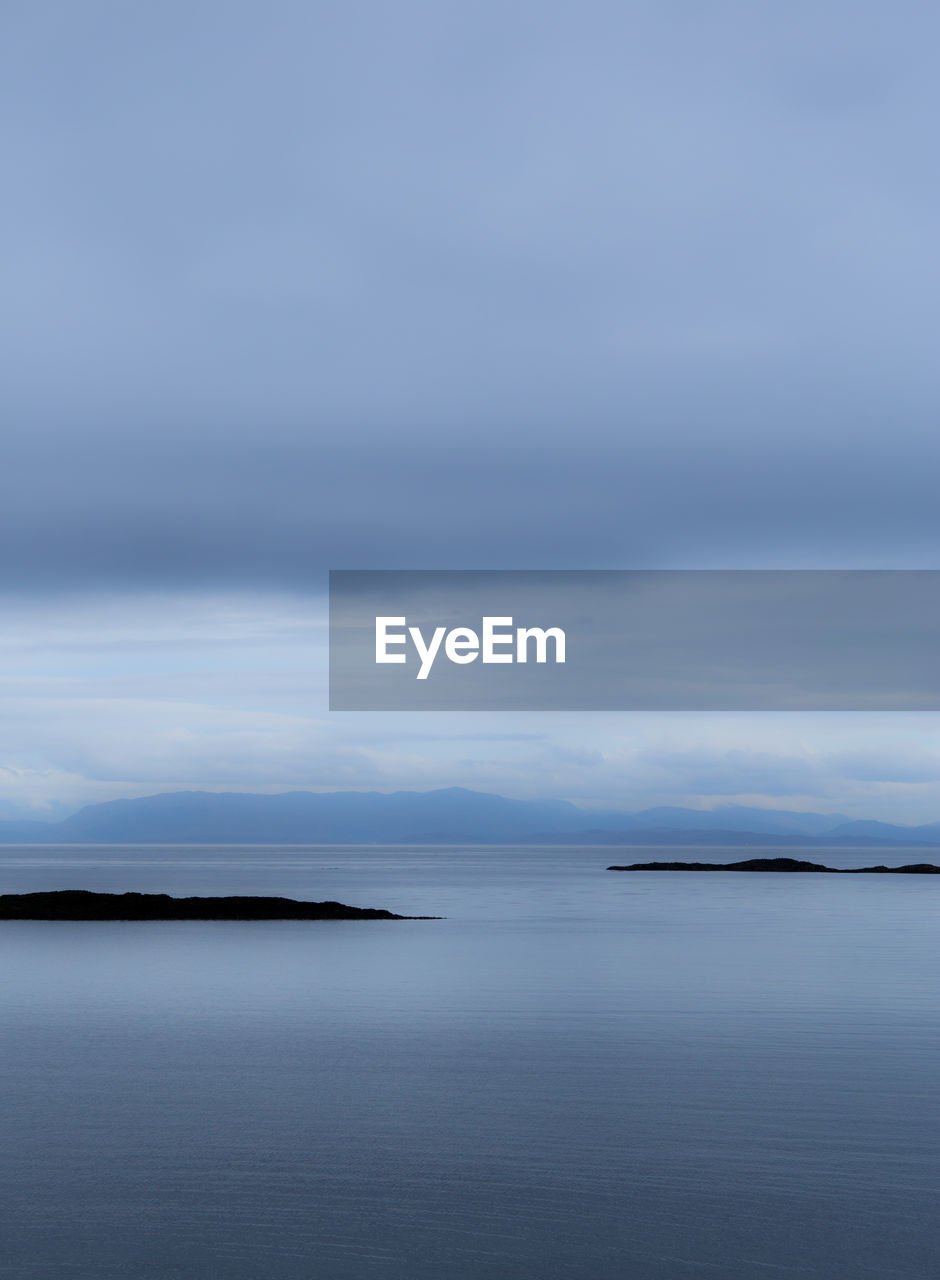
point(635, 640)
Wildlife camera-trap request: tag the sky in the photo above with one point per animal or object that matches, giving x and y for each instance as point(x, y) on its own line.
point(300, 286)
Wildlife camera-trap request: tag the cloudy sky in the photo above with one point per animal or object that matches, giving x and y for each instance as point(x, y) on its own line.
point(299, 286)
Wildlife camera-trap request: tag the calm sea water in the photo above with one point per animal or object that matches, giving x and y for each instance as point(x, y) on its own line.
point(576, 1074)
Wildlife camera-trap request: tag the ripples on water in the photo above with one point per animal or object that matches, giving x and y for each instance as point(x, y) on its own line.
point(577, 1074)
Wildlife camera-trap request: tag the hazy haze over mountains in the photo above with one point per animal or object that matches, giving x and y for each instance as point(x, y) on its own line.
point(450, 815)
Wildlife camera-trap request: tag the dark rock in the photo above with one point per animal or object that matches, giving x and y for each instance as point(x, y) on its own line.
point(81, 904)
point(780, 864)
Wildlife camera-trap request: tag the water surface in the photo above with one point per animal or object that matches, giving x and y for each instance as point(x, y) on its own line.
point(578, 1073)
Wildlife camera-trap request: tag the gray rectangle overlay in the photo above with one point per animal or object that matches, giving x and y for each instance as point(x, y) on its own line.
point(635, 640)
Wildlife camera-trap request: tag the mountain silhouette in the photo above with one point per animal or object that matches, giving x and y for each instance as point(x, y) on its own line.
point(453, 815)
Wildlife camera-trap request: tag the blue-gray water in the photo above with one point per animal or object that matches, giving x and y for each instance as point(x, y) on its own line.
point(576, 1074)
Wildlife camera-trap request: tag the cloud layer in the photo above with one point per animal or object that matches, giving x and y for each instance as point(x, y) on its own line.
point(121, 696)
point(299, 286)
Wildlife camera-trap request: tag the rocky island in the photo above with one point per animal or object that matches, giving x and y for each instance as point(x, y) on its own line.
point(81, 904)
point(782, 864)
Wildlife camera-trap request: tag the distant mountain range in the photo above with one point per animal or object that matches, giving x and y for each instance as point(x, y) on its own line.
point(451, 816)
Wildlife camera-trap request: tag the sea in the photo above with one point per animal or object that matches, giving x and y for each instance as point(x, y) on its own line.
point(575, 1074)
